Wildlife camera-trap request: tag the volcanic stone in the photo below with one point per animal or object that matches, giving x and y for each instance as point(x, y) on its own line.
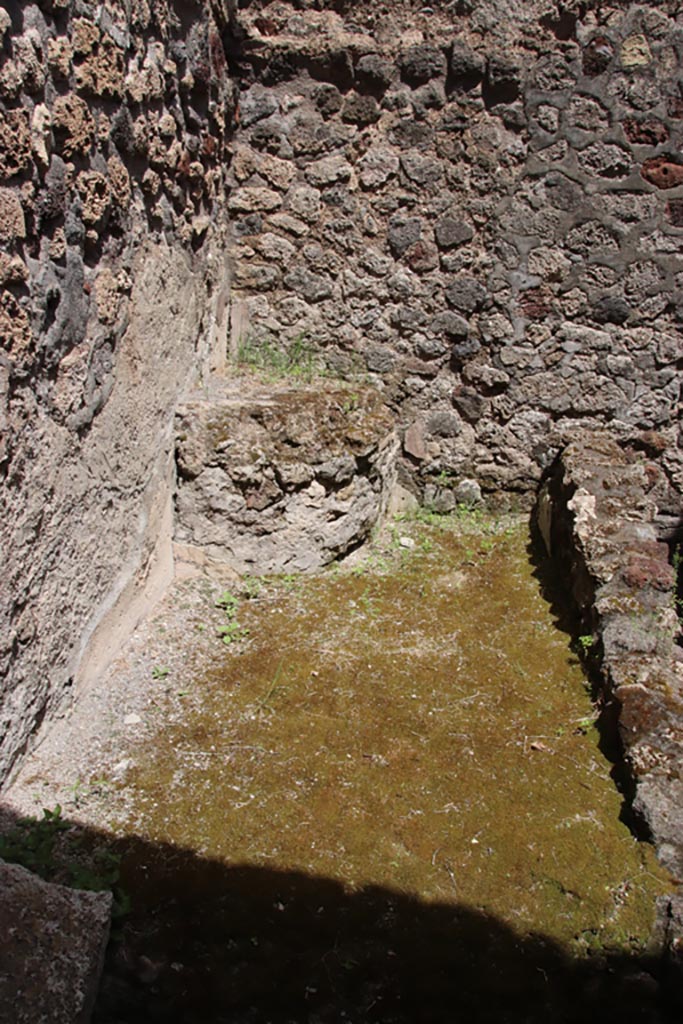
point(451, 232)
point(403, 232)
point(465, 294)
point(420, 63)
point(611, 309)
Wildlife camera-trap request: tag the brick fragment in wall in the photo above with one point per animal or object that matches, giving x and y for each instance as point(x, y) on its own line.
point(648, 132)
point(663, 172)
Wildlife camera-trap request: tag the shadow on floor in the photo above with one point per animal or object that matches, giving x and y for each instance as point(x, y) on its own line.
point(206, 943)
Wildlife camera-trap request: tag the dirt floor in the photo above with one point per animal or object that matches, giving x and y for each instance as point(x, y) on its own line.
point(378, 793)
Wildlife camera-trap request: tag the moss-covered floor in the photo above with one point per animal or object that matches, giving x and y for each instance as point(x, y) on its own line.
point(387, 801)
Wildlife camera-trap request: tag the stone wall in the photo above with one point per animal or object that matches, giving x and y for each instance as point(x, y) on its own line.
point(598, 512)
point(283, 480)
point(480, 206)
point(114, 125)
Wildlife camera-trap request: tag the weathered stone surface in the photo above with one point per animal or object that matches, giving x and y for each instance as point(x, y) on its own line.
point(328, 99)
point(635, 52)
point(73, 125)
point(414, 442)
point(611, 310)
point(377, 167)
point(93, 189)
point(623, 585)
point(420, 169)
point(360, 110)
point(444, 424)
point(12, 222)
point(450, 324)
point(451, 232)
point(605, 160)
point(503, 71)
point(13, 270)
point(278, 173)
point(465, 294)
point(469, 403)
point(313, 287)
point(256, 104)
point(374, 72)
point(466, 65)
point(328, 171)
point(463, 350)
point(304, 202)
point(104, 317)
point(52, 944)
point(249, 200)
point(282, 481)
point(59, 54)
point(403, 232)
point(421, 62)
point(98, 61)
point(648, 132)
point(15, 329)
point(15, 142)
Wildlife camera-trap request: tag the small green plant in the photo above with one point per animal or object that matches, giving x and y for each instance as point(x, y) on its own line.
point(298, 360)
point(469, 514)
point(229, 602)
point(289, 580)
point(80, 790)
point(586, 642)
point(32, 842)
point(368, 603)
point(53, 849)
point(264, 703)
point(231, 631)
point(251, 587)
point(160, 672)
point(584, 725)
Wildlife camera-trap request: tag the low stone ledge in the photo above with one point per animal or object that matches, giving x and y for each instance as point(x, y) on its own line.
point(281, 479)
point(597, 514)
point(52, 943)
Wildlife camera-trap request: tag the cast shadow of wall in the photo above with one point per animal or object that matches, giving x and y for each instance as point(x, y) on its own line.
point(206, 942)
